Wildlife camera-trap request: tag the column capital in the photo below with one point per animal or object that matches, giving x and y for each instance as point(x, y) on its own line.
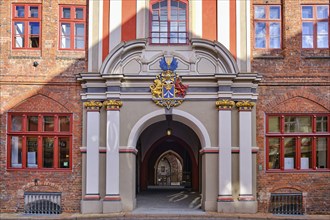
point(225, 104)
point(245, 105)
point(93, 105)
point(112, 104)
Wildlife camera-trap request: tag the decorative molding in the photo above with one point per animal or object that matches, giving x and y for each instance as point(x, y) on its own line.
point(113, 104)
point(93, 105)
point(245, 105)
point(225, 104)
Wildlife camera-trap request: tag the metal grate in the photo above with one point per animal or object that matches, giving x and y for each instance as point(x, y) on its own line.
point(42, 203)
point(286, 203)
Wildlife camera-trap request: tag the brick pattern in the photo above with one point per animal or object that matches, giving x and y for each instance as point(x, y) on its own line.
point(49, 87)
point(294, 81)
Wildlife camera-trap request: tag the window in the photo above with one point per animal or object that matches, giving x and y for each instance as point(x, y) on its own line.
point(267, 26)
point(169, 22)
point(39, 141)
point(298, 142)
point(315, 26)
point(72, 27)
point(26, 26)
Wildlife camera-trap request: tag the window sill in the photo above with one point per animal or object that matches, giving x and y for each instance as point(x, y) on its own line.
point(268, 57)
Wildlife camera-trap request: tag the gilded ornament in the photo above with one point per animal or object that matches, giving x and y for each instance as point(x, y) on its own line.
point(112, 104)
point(225, 104)
point(93, 105)
point(245, 105)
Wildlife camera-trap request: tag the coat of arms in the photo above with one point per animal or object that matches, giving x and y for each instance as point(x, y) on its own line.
point(168, 90)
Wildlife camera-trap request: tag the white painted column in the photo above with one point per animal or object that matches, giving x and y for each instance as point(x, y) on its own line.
point(141, 22)
point(93, 139)
point(225, 135)
point(223, 20)
point(197, 18)
point(245, 150)
point(112, 158)
point(115, 24)
point(90, 37)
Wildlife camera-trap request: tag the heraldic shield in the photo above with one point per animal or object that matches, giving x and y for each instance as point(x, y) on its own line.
point(168, 90)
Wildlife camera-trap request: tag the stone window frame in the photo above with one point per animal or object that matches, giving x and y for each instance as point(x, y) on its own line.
point(267, 20)
point(26, 19)
point(315, 20)
point(72, 21)
point(168, 21)
point(298, 137)
point(39, 134)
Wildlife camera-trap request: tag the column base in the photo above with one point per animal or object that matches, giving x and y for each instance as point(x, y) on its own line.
point(90, 206)
point(238, 207)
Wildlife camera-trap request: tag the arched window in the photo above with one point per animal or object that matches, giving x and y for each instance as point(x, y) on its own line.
point(169, 19)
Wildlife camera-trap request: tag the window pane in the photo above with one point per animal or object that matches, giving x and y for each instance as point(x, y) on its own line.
point(274, 124)
point(182, 5)
point(155, 6)
point(163, 4)
point(307, 28)
point(32, 123)
point(79, 43)
point(306, 153)
point(173, 38)
point(307, 41)
point(322, 12)
point(274, 153)
point(259, 12)
point(163, 38)
point(64, 123)
point(16, 152)
point(34, 27)
point(64, 152)
point(19, 28)
point(155, 38)
point(65, 38)
point(182, 26)
point(182, 15)
point(289, 153)
point(260, 35)
point(155, 26)
point(79, 30)
point(163, 26)
point(322, 124)
point(182, 38)
point(321, 152)
point(174, 26)
point(16, 123)
point(32, 152)
point(163, 15)
point(19, 11)
point(155, 16)
point(322, 34)
point(79, 13)
point(274, 12)
point(307, 11)
point(48, 152)
point(174, 4)
point(275, 32)
point(174, 14)
point(66, 13)
point(48, 123)
point(297, 124)
point(34, 11)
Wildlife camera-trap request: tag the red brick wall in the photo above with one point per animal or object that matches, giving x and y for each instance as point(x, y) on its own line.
point(49, 87)
point(294, 80)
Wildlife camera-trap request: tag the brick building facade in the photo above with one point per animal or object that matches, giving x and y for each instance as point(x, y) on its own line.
point(50, 76)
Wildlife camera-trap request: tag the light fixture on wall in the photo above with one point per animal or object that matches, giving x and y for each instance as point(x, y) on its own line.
point(169, 131)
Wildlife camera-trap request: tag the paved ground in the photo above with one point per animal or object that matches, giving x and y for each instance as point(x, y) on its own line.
point(166, 204)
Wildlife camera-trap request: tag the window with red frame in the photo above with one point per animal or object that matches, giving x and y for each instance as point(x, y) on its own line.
point(39, 141)
point(26, 26)
point(298, 142)
point(169, 22)
point(267, 26)
point(72, 27)
point(315, 26)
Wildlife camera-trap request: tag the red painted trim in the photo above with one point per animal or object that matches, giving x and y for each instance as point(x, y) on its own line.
point(112, 198)
point(72, 21)
point(209, 20)
point(225, 198)
point(246, 198)
point(128, 29)
point(232, 29)
point(92, 197)
point(133, 151)
point(26, 19)
point(102, 150)
point(105, 30)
